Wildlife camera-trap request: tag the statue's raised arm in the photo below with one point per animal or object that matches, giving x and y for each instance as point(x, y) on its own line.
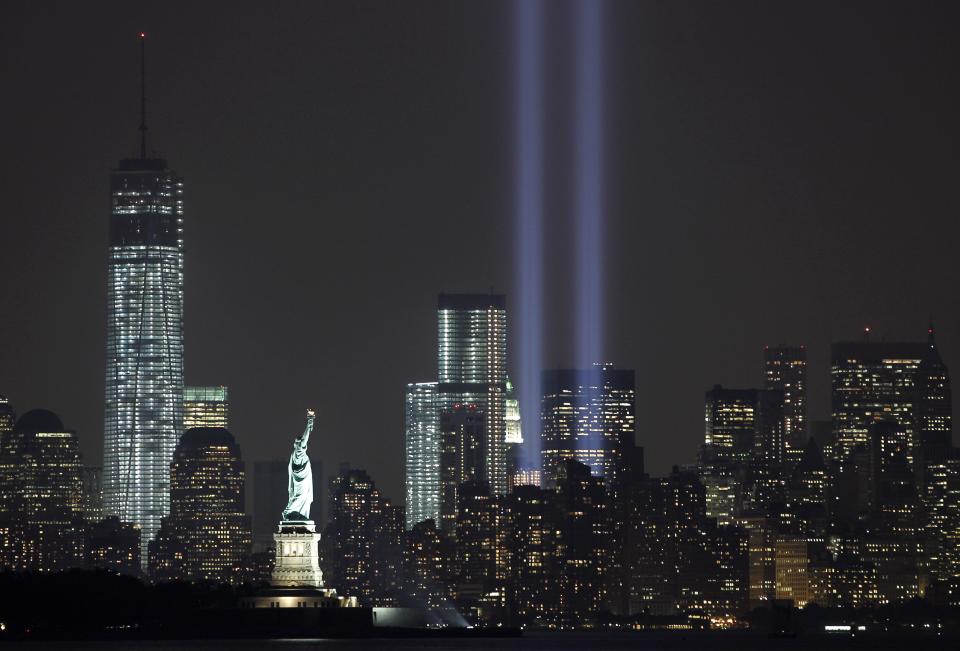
point(305, 437)
point(300, 484)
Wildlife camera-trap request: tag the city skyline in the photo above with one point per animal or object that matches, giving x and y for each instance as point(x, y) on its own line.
point(231, 301)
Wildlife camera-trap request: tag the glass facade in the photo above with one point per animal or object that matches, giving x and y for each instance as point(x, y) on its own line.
point(144, 370)
point(422, 453)
point(472, 368)
point(206, 407)
point(587, 415)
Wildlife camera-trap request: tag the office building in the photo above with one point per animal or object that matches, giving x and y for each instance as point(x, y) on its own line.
point(427, 566)
point(93, 493)
point(942, 502)
point(144, 370)
point(935, 407)
point(730, 419)
point(785, 370)
point(870, 381)
point(793, 580)
point(585, 528)
point(536, 555)
point(770, 441)
point(206, 407)
point(587, 415)
point(115, 546)
point(422, 453)
point(41, 495)
point(482, 554)
point(462, 457)
point(207, 535)
point(472, 368)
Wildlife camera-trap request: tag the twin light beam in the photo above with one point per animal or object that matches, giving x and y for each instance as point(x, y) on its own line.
point(588, 213)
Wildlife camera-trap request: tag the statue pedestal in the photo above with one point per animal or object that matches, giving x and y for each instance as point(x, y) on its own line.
point(297, 581)
point(297, 555)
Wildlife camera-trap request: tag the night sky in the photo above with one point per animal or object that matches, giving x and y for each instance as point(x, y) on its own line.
point(776, 173)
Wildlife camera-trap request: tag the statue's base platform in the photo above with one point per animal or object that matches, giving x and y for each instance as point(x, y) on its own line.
point(298, 597)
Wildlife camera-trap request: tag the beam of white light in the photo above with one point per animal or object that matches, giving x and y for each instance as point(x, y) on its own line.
point(588, 87)
point(528, 35)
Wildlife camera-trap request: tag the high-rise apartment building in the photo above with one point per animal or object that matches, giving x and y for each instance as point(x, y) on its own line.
point(785, 369)
point(587, 415)
point(207, 535)
point(586, 531)
point(144, 372)
point(422, 453)
point(206, 407)
point(472, 368)
point(363, 540)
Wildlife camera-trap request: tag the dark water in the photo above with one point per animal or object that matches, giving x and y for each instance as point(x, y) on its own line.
point(534, 642)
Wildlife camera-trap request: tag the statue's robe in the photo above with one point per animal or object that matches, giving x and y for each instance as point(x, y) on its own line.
point(300, 486)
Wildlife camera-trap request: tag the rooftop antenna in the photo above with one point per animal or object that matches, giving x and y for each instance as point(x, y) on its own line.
point(143, 96)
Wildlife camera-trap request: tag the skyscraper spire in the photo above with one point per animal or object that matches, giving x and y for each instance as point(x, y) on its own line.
point(143, 95)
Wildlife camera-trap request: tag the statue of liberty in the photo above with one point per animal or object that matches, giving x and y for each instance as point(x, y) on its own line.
point(300, 477)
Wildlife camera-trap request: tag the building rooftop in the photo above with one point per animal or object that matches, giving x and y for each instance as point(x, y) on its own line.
point(39, 420)
point(202, 436)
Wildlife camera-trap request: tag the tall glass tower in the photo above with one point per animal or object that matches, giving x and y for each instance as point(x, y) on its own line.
point(422, 453)
point(472, 368)
point(144, 387)
point(144, 371)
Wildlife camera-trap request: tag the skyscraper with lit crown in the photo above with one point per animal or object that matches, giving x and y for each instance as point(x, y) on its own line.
point(143, 417)
point(206, 407)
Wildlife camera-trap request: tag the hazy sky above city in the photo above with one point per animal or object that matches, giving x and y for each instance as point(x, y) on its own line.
point(776, 173)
